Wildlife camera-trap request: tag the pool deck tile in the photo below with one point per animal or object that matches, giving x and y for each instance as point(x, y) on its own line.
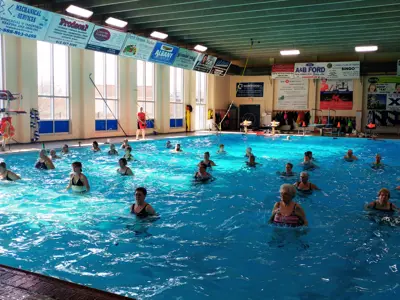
point(16, 284)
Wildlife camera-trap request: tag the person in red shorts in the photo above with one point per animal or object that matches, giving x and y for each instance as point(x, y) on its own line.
point(141, 124)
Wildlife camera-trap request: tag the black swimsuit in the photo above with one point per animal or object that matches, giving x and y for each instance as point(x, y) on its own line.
point(387, 210)
point(308, 191)
point(124, 174)
point(141, 214)
point(78, 183)
point(41, 165)
point(7, 178)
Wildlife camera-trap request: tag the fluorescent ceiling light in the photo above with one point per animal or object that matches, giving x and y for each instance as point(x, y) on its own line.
point(290, 52)
point(159, 35)
point(115, 22)
point(200, 48)
point(366, 48)
point(81, 12)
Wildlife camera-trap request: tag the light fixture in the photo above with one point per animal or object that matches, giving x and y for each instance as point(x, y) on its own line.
point(200, 48)
point(366, 48)
point(78, 11)
point(159, 35)
point(290, 52)
point(116, 22)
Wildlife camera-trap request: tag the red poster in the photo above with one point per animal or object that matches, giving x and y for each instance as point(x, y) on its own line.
point(283, 71)
point(336, 94)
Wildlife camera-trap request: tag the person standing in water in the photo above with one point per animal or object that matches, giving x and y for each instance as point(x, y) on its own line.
point(141, 124)
point(77, 180)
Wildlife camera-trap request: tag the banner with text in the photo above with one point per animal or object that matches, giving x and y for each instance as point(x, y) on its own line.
point(185, 59)
point(330, 70)
point(164, 54)
point(138, 47)
point(282, 71)
point(106, 40)
point(69, 31)
point(220, 67)
point(383, 93)
point(23, 20)
point(292, 94)
point(250, 89)
point(336, 94)
point(204, 63)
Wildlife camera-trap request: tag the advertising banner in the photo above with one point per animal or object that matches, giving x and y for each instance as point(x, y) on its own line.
point(250, 89)
point(185, 59)
point(292, 94)
point(138, 47)
point(23, 21)
point(330, 70)
point(106, 40)
point(282, 71)
point(383, 93)
point(220, 67)
point(336, 94)
point(69, 31)
point(164, 54)
point(204, 63)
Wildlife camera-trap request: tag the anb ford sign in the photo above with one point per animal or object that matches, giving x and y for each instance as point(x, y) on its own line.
point(328, 70)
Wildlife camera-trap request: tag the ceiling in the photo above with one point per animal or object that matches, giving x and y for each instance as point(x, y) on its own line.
point(318, 28)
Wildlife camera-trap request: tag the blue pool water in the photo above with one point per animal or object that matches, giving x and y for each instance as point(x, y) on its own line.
point(212, 240)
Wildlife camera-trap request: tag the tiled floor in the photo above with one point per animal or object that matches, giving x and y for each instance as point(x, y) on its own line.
point(21, 285)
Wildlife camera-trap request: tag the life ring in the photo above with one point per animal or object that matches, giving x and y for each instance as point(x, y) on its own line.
point(7, 129)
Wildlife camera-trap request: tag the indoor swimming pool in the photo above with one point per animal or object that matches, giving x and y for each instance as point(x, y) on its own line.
point(211, 240)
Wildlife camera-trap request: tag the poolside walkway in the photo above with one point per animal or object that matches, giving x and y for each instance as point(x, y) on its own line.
point(16, 284)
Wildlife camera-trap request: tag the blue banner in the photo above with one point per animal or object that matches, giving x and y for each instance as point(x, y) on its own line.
point(164, 54)
point(250, 89)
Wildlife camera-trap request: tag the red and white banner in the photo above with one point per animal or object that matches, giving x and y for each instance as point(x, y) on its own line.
point(283, 71)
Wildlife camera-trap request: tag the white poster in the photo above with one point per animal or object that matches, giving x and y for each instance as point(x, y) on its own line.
point(106, 40)
point(292, 94)
point(23, 21)
point(328, 70)
point(69, 31)
point(185, 59)
point(138, 47)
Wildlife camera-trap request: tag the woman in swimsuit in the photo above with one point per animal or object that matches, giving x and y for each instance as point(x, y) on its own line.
point(308, 161)
point(7, 174)
point(65, 149)
point(124, 170)
point(209, 163)
point(95, 147)
point(221, 149)
point(141, 208)
point(304, 185)
point(124, 144)
point(78, 181)
point(202, 174)
point(168, 145)
point(112, 150)
point(287, 212)
point(53, 154)
point(349, 156)
point(252, 161)
point(128, 156)
point(377, 163)
point(383, 203)
point(44, 162)
point(177, 148)
point(288, 171)
point(248, 152)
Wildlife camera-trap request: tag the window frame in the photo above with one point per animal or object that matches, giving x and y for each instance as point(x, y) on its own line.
point(201, 103)
point(143, 102)
point(173, 97)
point(2, 104)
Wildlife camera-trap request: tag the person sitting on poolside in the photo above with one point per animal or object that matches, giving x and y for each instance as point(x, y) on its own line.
point(124, 144)
point(95, 147)
point(221, 149)
point(65, 149)
point(77, 180)
point(112, 150)
point(202, 174)
point(53, 154)
point(286, 212)
point(141, 208)
point(124, 170)
point(304, 185)
point(248, 152)
point(44, 162)
point(209, 163)
point(252, 161)
point(177, 148)
point(349, 156)
point(382, 203)
point(288, 171)
point(377, 164)
point(7, 174)
point(128, 156)
point(169, 145)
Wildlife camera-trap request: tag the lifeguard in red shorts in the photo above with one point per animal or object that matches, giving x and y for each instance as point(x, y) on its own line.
point(141, 124)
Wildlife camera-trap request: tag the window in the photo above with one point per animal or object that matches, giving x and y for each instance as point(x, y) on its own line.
point(106, 79)
point(201, 92)
point(145, 90)
point(1, 68)
point(53, 87)
point(176, 97)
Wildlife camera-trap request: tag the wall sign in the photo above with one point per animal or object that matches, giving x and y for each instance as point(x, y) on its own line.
point(204, 63)
point(250, 89)
point(69, 31)
point(282, 71)
point(138, 47)
point(23, 21)
point(106, 40)
point(330, 70)
point(164, 54)
point(398, 67)
point(185, 59)
point(220, 67)
point(383, 93)
point(336, 94)
point(292, 94)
